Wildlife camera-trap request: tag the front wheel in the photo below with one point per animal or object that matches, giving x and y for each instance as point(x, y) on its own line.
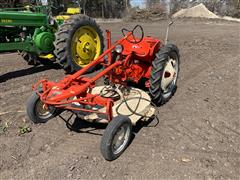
point(116, 137)
point(37, 110)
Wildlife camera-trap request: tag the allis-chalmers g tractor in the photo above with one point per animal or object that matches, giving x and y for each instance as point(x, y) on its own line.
point(143, 61)
point(72, 39)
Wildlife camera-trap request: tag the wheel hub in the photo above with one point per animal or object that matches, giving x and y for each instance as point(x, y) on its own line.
point(86, 46)
point(120, 139)
point(169, 74)
point(86, 49)
point(41, 109)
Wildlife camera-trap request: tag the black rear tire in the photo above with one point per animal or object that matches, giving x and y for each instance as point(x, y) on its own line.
point(108, 143)
point(158, 65)
point(64, 37)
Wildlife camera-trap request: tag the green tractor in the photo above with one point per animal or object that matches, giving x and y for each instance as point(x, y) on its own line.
point(41, 33)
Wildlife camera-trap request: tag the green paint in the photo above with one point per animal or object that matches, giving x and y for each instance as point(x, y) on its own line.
point(22, 19)
point(26, 31)
point(44, 41)
point(21, 46)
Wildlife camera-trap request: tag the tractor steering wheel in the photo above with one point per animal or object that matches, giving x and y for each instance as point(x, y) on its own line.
point(134, 40)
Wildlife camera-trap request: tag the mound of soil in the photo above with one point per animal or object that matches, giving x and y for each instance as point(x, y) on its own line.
point(196, 11)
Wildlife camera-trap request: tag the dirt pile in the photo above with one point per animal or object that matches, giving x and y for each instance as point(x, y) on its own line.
point(152, 14)
point(196, 11)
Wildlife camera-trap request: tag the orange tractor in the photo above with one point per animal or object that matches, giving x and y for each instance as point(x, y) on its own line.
point(143, 61)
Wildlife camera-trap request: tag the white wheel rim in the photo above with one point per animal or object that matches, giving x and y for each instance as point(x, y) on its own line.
point(120, 139)
point(169, 77)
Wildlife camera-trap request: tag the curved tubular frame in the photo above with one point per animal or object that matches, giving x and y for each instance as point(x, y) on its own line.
point(77, 88)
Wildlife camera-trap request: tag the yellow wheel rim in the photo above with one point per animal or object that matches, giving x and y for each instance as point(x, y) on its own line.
point(86, 46)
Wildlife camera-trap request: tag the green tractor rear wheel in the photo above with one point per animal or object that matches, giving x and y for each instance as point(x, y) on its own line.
point(78, 42)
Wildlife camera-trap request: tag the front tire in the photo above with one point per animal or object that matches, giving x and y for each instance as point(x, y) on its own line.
point(116, 137)
point(164, 74)
point(36, 111)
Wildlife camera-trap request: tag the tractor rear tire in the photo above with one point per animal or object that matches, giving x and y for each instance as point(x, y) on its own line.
point(69, 43)
point(157, 94)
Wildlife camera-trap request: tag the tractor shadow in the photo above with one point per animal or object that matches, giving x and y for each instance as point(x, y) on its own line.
point(28, 71)
point(152, 122)
point(81, 126)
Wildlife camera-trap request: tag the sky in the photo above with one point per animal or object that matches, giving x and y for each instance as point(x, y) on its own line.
point(142, 3)
point(139, 3)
